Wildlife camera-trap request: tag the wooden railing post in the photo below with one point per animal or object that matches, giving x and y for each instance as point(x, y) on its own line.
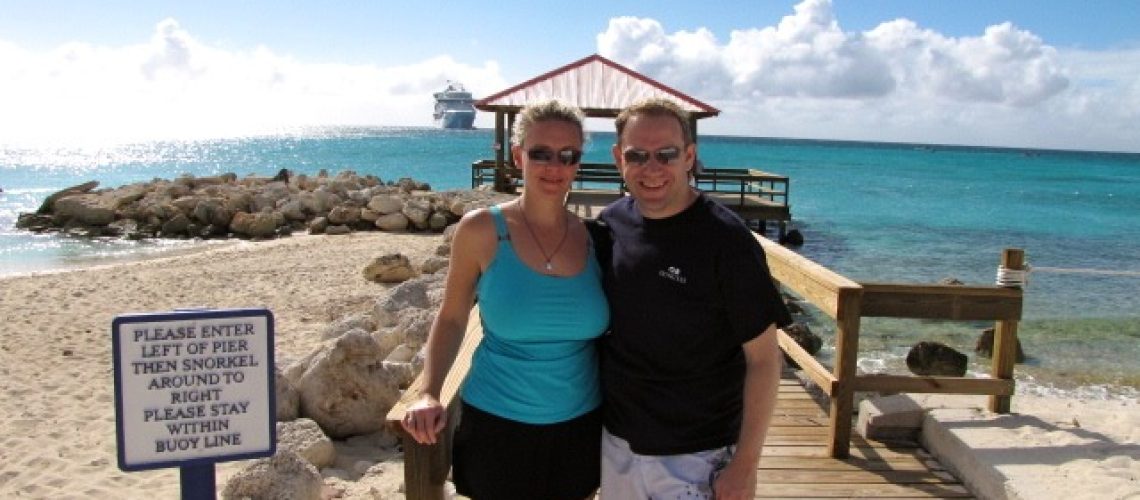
point(426, 466)
point(502, 149)
point(847, 321)
point(1005, 338)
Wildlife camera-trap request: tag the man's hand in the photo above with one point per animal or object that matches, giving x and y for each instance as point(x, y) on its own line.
point(736, 482)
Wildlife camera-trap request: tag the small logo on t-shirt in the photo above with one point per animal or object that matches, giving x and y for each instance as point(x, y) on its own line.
point(672, 273)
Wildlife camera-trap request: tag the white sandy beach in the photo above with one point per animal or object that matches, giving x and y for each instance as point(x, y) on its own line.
point(58, 416)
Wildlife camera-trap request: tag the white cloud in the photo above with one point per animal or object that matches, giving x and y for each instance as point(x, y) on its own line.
point(806, 77)
point(176, 86)
point(803, 77)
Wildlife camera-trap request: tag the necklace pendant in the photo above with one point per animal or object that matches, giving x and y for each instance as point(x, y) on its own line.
point(549, 266)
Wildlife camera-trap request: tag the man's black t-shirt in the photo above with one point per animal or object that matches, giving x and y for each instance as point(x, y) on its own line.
point(685, 293)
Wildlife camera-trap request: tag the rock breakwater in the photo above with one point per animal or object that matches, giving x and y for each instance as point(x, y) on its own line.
point(226, 206)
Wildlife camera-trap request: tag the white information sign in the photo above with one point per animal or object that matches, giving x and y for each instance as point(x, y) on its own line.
point(193, 387)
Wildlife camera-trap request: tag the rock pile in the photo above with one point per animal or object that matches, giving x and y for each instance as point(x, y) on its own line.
point(226, 206)
point(342, 391)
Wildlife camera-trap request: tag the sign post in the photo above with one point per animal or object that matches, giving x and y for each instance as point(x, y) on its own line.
point(193, 388)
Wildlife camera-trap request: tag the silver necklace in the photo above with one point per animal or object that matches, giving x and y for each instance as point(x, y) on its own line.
point(565, 231)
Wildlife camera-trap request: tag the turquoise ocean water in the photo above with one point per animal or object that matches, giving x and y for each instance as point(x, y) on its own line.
point(870, 211)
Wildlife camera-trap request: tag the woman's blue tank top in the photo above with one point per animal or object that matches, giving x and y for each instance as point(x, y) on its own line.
point(537, 362)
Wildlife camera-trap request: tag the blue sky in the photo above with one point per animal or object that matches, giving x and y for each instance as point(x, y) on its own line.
point(1054, 74)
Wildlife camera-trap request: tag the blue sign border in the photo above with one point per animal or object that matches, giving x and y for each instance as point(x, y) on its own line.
point(191, 315)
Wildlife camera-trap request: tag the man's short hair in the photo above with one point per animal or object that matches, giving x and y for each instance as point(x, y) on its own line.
point(655, 106)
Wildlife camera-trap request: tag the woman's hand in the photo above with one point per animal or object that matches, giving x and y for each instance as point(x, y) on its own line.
point(424, 419)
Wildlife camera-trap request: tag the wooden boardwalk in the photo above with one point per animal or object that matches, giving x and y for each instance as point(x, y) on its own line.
point(795, 462)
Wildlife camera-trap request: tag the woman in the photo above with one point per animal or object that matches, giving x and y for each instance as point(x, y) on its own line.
point(531, 424)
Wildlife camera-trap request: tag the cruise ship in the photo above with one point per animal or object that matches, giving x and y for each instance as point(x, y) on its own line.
point(454, 107)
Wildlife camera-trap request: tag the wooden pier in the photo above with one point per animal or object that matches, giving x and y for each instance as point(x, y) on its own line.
point(811, 451)
point(796, 461)
point(756, 196)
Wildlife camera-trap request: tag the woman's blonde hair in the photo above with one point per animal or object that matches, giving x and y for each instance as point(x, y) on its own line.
point(553, 110)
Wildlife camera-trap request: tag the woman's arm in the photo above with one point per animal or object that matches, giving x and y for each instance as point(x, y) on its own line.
point(471, 250)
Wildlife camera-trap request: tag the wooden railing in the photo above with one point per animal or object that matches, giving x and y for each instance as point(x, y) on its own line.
point(596, 174)
point(426, 466)
point(743, 182)
point(755, 195)
point(845, 301)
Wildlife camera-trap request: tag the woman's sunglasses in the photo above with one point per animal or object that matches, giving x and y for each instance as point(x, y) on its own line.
point(541, 155)
point(639, 157)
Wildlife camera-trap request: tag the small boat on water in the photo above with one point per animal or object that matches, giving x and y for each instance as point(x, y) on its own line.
point(454, 107)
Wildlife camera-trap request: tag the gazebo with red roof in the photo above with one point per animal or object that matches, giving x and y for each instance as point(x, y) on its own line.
point(598, 86)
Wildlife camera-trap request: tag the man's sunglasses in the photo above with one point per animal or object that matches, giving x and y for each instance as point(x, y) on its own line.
point(541, 155)
point(639, 157)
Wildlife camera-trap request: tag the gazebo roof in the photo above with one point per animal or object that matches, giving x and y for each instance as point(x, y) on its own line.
point(596, 85)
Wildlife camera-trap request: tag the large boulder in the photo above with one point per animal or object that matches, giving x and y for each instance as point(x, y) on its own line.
point(433, 263)
point(346, 324)
point(284, 476)
point(176, 226)
point(936, 359)
point(345, 388)
point(985, 346)
point(84, 209)
point(288, 399)
point(258, 225)
point(293, 210)
point(418, 210)
point(212, 211)
point(392, 222)
point(409, 294)
point(385, 204)
point(806, 339)
point(48, 206)
point(414, 325)
point(305, 438)
point(390, 268)
point(438, 221)
point(343, 215)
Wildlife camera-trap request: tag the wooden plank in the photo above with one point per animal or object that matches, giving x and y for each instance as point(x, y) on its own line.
point(804, 476)
point(426, 467)
point(819, 437)
point(867, 452)
point(799, 420)
point(814, 370)
point(862, 491)
point(787, 395)
point(1005, 338)
point(813, 282)
point(801, 430)
point(793, 388)
point(454, 378)
point(939, 385)
point(847, 320)
point(906, 462)
point(797, 403)
point(949, 302)
point(801, 412)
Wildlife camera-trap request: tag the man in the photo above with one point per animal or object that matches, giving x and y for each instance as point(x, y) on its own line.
point(691, 367)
